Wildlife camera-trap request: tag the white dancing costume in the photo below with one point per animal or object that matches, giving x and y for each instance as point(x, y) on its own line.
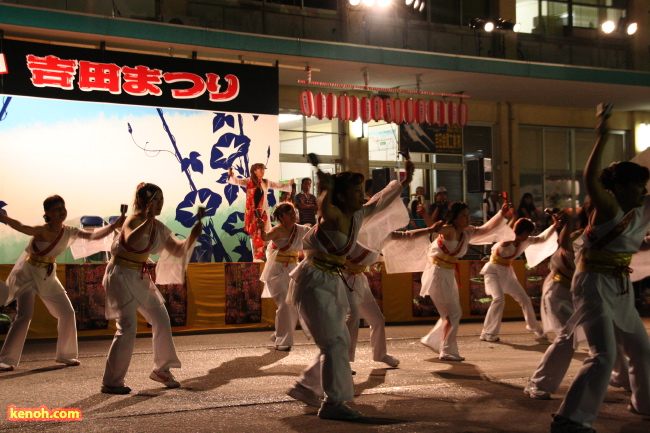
point(500, 278)
point(35, 272)
point(556, 310)
point(604, 301)
point(281, 259)
point(320, 295)
point(129, 289)
point(439, 279)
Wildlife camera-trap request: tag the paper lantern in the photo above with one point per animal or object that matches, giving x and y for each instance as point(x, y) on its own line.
point(420, 111)
point(355, 108)
point(307, 103)
point(376, 108)
point(365, 113)
point(331, 105)
point(398, 110)
point(389, 112)
point(463, 113)
point(409, 110)
point(452, 113)
point(320, 106)
point(344, 108)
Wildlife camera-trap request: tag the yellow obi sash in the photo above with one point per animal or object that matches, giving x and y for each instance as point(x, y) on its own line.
point(128, 260)
point(328, 262)
point(355, 268)
point(40, 261)
point(444, 261)
point(287, 257)
point(561, 277)
point(498, 260)
point(606, 262)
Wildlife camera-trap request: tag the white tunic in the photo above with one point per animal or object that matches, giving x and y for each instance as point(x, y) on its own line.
point(596, 293)
point(124, 285)
point(25, 276)
point(275, 275)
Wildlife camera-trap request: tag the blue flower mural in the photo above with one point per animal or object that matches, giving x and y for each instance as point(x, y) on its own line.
point(231, 150)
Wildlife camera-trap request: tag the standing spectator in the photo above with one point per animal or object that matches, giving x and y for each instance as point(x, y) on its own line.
point(417, 209)
point(528, 210)
point(491, 205)
point(306, 204)
point(439, 209)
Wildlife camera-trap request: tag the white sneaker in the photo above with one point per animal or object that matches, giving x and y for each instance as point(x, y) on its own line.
point(450, 357)
point(390, 360)
point(338, 410)
point(304, 394)
point(165, 377)
point(488, 337)
point(6, 367)
point(532, 391)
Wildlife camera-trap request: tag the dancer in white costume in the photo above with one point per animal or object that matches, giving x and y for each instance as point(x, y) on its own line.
point(285, 243)
point(439, 280)
point(129, 288)
point(318, 288)
point(556, 310)
point(602, 291)
point(362, 302)
point(500, 278)
point(35, 272)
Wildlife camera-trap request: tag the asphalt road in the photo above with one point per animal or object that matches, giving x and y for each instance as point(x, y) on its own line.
point(236, 382)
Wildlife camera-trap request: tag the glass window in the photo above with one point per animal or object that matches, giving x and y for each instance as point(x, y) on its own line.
point(300, 135)
point(530, 145)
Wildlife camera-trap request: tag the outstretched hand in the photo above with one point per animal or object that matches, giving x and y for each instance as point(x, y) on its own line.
point(506, 210)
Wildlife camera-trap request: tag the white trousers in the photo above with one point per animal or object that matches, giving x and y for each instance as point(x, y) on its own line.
point(497, 285)
point(587, 392)
point(60, 307)
point(555, 363)
point(370, 311)
point(121, 351)
point(286, 317)
point(442, 337)
point(330, 374)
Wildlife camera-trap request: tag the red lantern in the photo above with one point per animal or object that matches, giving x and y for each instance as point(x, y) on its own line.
point(409, 110)
point(420, 111)
point(307, 103)
point(320, 105)
point(432, 107)
point(389, 112)
point(463, 114)
point(365, 114)
point(331, 102)
point(355, 108)
point(376, 108)
point(398, 111)
point(452, 113)
point(344, 108)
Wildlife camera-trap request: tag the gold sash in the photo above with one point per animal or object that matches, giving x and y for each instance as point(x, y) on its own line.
point(40, 261)
point(444, 261)
point(287, 257)
point(131, 260)
point(328, 262)
point(560, 277)
point(606, 262)
point(498, 260)
point(355, 268)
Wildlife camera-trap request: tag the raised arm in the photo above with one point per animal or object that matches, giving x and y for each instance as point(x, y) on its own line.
point(329, 213)
point(22, 228)
point(236, 181)
point(497, 220)
point(104, 231)
point(179, 248)
point(605, 204)
point(413, 234)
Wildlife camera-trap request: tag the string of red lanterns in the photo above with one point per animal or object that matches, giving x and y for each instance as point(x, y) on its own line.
point(378, 108)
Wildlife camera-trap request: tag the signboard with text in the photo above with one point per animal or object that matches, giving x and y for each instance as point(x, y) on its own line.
point(425, 138)
point(53, 71)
